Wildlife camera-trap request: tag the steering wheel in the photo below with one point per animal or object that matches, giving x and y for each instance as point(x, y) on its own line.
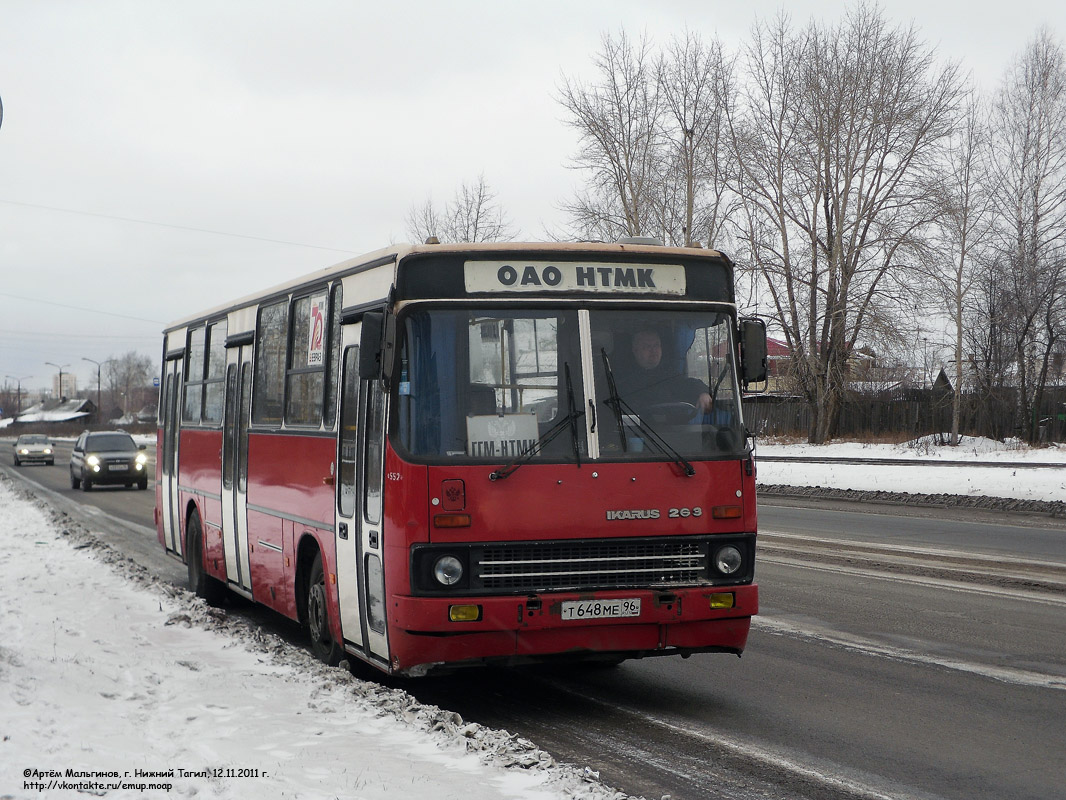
point(675, 413)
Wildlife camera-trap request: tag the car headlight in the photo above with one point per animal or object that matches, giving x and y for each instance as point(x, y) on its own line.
point(24, 452)
point(142, 459)
point(728, 560)
point(48, 451)
point(92, 461)
point(448, 570)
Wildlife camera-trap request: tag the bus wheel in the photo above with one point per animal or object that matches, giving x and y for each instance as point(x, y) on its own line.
point(318, 622)
point(200, 583)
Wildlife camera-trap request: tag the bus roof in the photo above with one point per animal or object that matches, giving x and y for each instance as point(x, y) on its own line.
point(395, 253)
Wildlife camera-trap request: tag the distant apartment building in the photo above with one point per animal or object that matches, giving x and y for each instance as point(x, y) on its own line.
point(69, 387)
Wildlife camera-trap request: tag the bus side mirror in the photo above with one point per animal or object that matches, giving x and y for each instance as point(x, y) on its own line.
point(370, 345)
point(377, 340)
point(752, 350)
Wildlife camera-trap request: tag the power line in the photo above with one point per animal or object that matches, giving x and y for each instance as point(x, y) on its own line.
point(29, 335)
point(78, 308)
point(175, 227)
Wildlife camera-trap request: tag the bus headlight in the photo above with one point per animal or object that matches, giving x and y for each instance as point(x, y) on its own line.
point(448, 570)
point(728, 560)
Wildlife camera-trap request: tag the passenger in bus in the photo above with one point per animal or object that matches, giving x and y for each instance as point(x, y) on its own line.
point(651, 383)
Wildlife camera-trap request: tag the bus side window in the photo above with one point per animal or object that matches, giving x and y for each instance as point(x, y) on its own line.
point(214, 373)
point(270, 363)
point(305, 377)
point(349, 433)
point(373, 465)
point(194, 375)
point(334, 358)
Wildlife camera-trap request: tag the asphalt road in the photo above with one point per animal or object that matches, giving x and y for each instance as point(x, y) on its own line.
point(899, 653)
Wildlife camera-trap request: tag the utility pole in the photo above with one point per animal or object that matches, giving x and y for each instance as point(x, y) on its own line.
point(49, 363)
point(98, 409)
point(18, 402)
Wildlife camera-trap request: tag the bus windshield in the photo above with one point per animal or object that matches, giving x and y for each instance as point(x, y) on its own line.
point(487, 385)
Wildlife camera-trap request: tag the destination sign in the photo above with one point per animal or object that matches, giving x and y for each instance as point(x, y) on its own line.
point(598, 277)
point(500, 436)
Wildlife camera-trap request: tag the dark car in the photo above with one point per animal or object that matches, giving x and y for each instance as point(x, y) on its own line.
point(32, 447)
point(108, 457)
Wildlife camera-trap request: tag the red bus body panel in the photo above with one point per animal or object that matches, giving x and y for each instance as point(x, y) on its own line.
point(557, 502)
point(290, 495)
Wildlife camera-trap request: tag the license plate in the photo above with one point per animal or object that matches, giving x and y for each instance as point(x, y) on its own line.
point(601, 609)
point(119, 468)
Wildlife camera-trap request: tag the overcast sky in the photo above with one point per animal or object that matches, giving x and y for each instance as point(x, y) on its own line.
point(158, 158)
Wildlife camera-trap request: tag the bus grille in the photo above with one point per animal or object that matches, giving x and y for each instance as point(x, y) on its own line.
point(590, 565)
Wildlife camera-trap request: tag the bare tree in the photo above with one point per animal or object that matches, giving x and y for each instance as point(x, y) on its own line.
point(962, 228)
point(653, 141)
point(696, 83)
point(425, 221)
point(1029, 163)
point(127, 377)
point(617, 120)
point(473, 215)
point(839, 136)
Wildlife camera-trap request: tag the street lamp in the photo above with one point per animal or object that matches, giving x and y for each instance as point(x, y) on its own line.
point(49, 363)
point(18, 402)
point(83, 358)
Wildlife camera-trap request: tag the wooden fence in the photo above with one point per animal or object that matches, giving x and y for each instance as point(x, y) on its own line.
point(912, 414)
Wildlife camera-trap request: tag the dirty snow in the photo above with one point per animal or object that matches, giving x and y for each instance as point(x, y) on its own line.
point(103, 669)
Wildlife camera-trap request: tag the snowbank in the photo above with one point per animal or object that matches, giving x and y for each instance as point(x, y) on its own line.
point(916, 472)
point(127, 681)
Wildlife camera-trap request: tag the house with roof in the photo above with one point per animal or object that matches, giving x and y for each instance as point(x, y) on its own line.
point(66, 411)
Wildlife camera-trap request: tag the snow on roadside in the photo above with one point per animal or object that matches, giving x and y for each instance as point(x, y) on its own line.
point(914, 477)
point(105, 669)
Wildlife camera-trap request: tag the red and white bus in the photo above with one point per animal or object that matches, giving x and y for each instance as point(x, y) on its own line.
point(439, 455)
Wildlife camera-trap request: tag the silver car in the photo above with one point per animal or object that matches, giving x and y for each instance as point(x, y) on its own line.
point(34, 447)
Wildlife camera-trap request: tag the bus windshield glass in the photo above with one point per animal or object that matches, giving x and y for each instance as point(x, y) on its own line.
point(489, 384)
point(665, 380)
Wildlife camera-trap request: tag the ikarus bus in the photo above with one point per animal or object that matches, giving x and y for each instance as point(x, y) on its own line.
point(450, 455)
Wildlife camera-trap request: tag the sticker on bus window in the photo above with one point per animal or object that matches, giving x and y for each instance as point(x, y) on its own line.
point(316, 332)
point(495, 436)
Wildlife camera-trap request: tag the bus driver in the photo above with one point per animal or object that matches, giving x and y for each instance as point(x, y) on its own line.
point(653, 384)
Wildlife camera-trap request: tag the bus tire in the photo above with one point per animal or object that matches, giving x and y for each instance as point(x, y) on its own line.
point(318, 619)
point(200, 583)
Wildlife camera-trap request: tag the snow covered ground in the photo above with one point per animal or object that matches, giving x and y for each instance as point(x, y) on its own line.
point(917, 474)
point(126, 681)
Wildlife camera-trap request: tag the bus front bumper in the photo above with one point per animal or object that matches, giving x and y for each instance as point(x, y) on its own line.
point(436, 634)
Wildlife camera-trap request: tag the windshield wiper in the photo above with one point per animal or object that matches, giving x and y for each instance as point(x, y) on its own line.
point(618, 405)
point(568, 421)
point(614, 400)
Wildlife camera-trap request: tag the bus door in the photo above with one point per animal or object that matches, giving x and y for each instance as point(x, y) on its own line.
point(360, 443)
point(235, 466)
point(168, 458)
